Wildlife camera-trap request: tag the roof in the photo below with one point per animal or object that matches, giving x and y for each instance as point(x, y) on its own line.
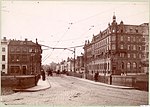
point(20, 42)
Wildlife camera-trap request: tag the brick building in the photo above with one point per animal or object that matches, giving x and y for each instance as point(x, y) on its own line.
point(118, 49)
point(24, 57)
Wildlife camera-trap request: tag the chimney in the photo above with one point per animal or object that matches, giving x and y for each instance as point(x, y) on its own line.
point(36, 41)
point(4, 38)
point(26, 39)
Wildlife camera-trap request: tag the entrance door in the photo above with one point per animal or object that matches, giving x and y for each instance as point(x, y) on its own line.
point(24, 70)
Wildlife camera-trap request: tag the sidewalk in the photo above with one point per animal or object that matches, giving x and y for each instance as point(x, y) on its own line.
point(41, 85)
point(103, 84)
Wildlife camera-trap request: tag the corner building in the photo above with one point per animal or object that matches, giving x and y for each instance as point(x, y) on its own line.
point(118, 49)
point(24, 57)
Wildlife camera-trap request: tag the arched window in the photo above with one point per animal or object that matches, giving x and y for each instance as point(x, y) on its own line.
point(129, 65)
point(134, 65)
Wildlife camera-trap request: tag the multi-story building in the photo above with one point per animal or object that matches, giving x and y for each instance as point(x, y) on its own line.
point(118, 49)
point(80, 64)
point(145, 60)
point(4, 63)
point(24, 57)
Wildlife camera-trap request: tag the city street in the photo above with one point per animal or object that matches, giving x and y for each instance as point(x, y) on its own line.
point(67, 90)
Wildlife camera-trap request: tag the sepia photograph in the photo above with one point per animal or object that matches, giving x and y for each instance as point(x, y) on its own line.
point(74, 53)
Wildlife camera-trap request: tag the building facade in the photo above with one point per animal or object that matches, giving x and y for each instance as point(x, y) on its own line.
point(24, 57)
point(4, 48)
point(80, 64)
point(145, 60)
point(118, 49)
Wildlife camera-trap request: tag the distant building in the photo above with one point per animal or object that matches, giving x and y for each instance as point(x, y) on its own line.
point(24, 57)
point(118, 49)
point(4, 48)
point(80, 64)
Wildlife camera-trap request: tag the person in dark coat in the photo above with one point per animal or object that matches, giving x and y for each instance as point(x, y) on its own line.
point(96, 76)
point(43, 74)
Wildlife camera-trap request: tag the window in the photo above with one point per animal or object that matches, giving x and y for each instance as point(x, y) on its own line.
point(12, 49)
point(128, 65)
point(134, 55)
point(122, 55)
point(136, 30)
point(24, 58)
point(140, 56)
point(113, 38)
point(134, 39)
point(128, 55)
point(24, 50)
point(140, 48)
point(3, 49)
point(3, 66)
point(18, 49)
point(128, 38)
point(17, 58)
point(12, 58)
point(128, 47)
point(121, 38)
point(134, 47)
point(134, 65)
point(113, 47)
point(3, 57)
point(14, 69)
point(121, 46)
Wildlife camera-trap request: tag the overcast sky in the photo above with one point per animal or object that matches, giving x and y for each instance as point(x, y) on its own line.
point(65, 24)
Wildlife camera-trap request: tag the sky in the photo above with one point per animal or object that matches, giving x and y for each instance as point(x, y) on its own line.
point(65, 24)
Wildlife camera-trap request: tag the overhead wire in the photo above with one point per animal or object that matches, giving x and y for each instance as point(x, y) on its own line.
point(78, 21)
point(68, 28)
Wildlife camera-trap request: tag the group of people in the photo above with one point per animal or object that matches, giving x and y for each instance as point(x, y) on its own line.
point(49, 72)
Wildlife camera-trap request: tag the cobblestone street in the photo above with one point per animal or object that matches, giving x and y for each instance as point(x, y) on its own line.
point(67, 90)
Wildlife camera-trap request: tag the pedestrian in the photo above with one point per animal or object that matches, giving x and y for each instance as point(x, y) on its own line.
point(43, 74)
point(50, 72)
point(58, 72)
point(96, 77)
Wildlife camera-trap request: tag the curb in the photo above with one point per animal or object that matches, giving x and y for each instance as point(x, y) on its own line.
point(29, 90)
point(32, 90)
point(106, 85)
